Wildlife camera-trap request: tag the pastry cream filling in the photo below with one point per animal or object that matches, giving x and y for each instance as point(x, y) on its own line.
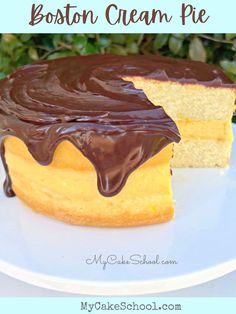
point(215, 130)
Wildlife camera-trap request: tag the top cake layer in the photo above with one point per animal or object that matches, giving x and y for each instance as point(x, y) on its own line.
point(86, 101)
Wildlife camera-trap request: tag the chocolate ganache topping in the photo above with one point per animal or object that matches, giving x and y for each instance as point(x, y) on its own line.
point(85, 100)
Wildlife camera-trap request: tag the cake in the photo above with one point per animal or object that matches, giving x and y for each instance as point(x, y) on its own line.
point(81, 144)
point(89, 140)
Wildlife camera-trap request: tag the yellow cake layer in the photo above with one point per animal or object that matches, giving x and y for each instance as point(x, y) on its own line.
point(189, 101)
point(202, 154)
point(67, 188)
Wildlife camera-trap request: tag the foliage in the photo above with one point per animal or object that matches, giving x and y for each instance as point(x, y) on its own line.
point(19, 49)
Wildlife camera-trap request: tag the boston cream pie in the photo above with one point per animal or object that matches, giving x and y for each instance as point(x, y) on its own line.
point(86, 139)
point(80, 143)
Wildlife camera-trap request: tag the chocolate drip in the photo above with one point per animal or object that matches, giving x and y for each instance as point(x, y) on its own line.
point(7, 185)
point(85, 100)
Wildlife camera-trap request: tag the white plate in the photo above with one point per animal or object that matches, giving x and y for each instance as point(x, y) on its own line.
point(201, 239)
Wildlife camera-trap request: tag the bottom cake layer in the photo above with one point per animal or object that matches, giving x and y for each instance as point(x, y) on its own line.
point(202, 154)
point(204, 144)
point(67, 188)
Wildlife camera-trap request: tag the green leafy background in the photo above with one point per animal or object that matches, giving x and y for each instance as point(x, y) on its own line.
point(16, 50)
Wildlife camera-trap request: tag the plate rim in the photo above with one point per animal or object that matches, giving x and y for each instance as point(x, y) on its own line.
point(120, 288)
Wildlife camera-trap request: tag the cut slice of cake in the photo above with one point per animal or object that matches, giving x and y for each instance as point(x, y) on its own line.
point(200, 98)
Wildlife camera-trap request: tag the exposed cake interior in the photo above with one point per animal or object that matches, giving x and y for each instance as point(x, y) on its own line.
point(203, 115)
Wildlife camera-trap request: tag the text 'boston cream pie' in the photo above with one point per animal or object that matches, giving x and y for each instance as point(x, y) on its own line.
point(81, 144)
